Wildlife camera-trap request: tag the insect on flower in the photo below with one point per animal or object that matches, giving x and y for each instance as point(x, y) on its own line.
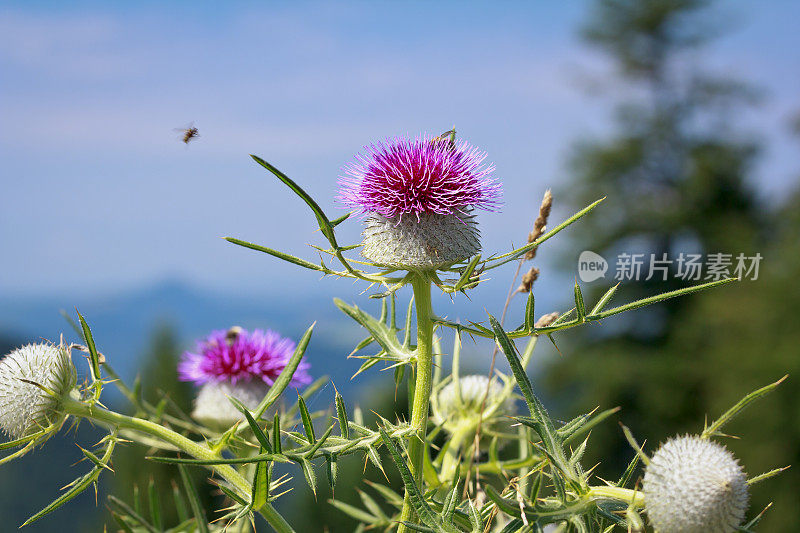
point(188, 133)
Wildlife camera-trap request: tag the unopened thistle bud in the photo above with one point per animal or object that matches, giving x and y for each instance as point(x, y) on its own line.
point(34, 380)
point(693, 485)
point(238, 364)
point(454, 410)
point(540, 224)
point(419, 196)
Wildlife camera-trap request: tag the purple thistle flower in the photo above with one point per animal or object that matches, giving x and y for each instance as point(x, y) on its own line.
point(237, 355)
point(425, 175)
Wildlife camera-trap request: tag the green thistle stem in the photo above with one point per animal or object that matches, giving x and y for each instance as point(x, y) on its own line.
point(632, 497)
point(422, 387)
point(198, 451)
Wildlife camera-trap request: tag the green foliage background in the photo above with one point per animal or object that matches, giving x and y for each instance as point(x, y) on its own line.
point(679, 177)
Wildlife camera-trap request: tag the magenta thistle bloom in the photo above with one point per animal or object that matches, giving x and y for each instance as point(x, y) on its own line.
point(438, 181)
point(236, 355)
point(426, 175)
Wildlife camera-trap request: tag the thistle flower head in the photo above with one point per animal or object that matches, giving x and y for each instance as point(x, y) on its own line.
point(419, 196)
point(459, 410)
point(694, 485)
point(237, 355)
point(33, 381)
point(213, 407)
point(402, 176)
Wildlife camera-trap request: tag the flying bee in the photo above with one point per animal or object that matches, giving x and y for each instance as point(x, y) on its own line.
point(188, 133)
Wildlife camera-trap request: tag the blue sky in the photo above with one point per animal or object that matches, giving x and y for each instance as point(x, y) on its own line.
point(99, 194)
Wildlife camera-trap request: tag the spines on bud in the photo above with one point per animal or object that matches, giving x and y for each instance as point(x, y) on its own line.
point(34, 379)
point(693, 485)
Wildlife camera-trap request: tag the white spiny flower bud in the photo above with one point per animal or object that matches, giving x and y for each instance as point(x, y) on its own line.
point(694, 485)
point(213, 408)
point(25, 407)
point(453, 411)
point(432, 242)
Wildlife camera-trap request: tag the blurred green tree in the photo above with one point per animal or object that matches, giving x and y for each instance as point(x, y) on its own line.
point(675, 174)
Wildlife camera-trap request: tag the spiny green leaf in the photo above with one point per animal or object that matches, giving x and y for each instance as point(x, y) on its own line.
point(194, 500)
point(375, 458)
point(603, 301)
point(260, 493)
point(519, 252)
point(660, 298)
point(474, 518)
point(421, 507)
point(766, 475)
point(93, 355)
point(626, 476)
point(543, 424)
point(450, 502)
point(308, 472)
point(467, 273)
point(224, 461)
point(580, 307)
point(325, 225)
point(335, 222)
point(23, 440)
point(714, 428)
point(419, 527)
point(379, 331)
point(635, 445)
point(530, 312)
point(332, 469)
point(308, 425)
point(232, 495)
point(275, 253)
point(310, 453)
point(276, 433)
point(257, 431)
point(285, 376)
point(586, 425)
point(754, 522)
point(78, 485)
